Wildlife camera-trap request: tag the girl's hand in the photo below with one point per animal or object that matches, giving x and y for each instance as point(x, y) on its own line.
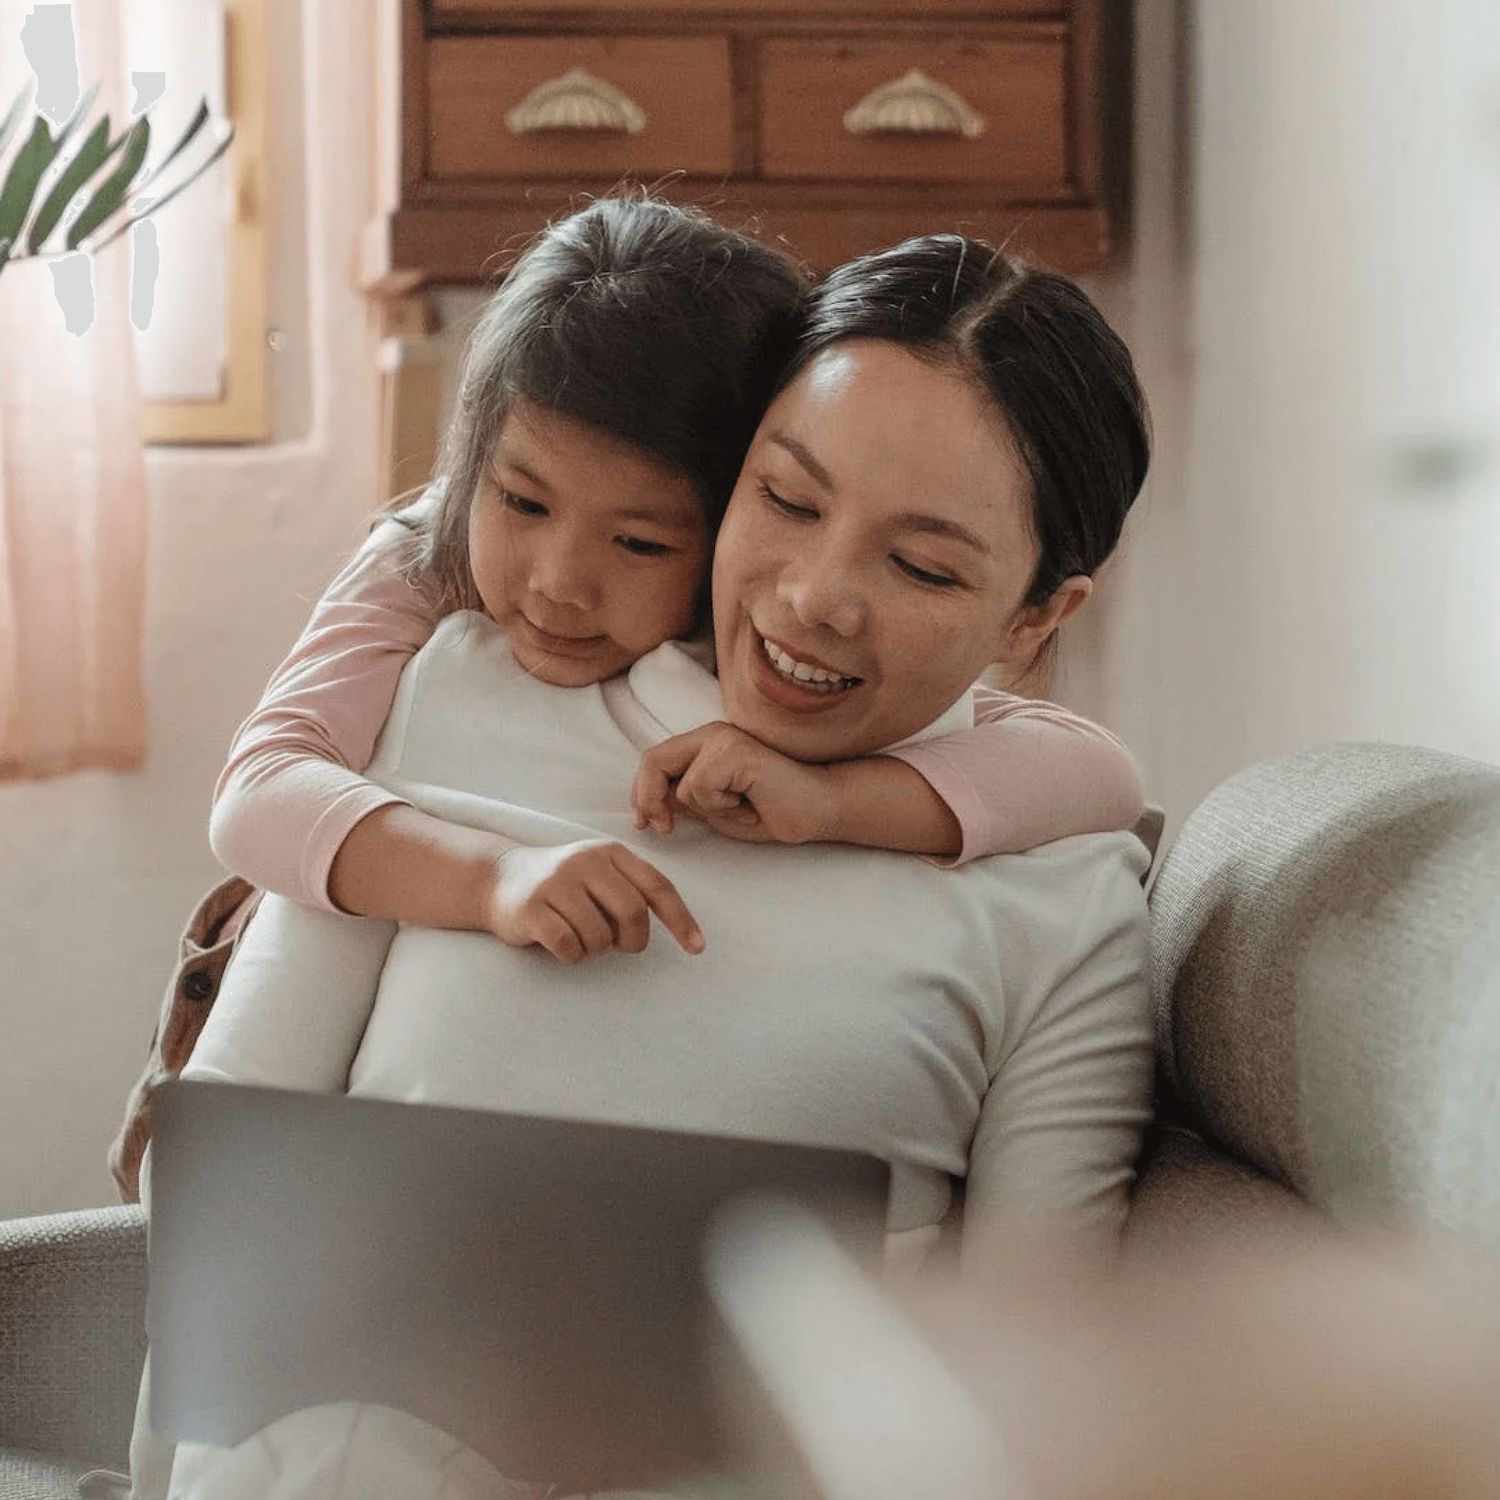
point(740, 788)
point(582, 899)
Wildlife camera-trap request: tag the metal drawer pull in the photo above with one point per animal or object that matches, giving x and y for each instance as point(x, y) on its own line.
point(914, 105)
point(576, 101)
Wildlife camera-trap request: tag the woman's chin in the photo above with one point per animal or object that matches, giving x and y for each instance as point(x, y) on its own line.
point(789, 717)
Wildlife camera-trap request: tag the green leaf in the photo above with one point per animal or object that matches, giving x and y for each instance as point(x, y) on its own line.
point(71, 124)
point(25, 172)
point(95, 151)
point(13, 117)
point(167, 197)
point(199, 120)
point(111, 193)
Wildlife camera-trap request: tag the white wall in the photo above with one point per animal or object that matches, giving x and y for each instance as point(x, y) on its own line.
point(97, 872)
point(1314, 304)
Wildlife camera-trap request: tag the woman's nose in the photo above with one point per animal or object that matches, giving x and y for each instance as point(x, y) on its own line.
point(824, 592)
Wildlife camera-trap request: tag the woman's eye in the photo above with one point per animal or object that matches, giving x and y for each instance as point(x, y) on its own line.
point(925, 575)
point(640, 547)
point(521, 505)
point(786, 507)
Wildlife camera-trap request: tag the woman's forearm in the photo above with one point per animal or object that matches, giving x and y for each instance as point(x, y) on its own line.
point(404, 864)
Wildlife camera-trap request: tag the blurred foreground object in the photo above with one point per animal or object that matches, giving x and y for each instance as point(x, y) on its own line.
point(1304, 1370)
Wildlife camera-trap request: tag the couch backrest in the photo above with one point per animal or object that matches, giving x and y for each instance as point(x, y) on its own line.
point(1326, 966)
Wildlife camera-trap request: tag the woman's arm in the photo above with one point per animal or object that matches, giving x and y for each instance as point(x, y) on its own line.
point(292, 791)
point(1072, 1066)
point(1026, 773)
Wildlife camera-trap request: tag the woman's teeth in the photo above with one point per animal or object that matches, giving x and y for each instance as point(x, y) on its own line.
point(815, 679)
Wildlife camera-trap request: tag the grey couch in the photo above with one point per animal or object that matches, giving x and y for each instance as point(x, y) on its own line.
point(1326, 966)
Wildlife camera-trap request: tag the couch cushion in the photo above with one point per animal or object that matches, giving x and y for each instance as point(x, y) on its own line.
point(1189, 1196)
point(72, 1331)
point(30, 1476)
point(1326, 964)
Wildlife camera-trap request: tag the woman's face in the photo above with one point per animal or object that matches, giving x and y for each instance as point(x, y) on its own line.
point(875, 555)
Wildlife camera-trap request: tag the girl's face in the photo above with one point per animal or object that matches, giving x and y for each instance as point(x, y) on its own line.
point(587, 551)
point(875, 555)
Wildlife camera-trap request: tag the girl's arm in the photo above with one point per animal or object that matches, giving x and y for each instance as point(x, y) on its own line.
point(293, 812)
point(292, 790)
point(1026, 773)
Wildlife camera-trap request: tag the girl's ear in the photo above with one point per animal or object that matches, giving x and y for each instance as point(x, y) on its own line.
point(1034, 624)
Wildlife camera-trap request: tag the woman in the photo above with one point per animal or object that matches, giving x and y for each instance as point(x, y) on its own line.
point(949, 460)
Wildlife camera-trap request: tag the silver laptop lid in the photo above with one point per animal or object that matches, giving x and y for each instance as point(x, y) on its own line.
point(531, 1286)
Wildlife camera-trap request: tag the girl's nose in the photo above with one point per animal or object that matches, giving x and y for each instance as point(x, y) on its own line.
point(561, 574)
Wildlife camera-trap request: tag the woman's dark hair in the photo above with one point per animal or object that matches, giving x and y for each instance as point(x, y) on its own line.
point(1040, 349)
point(640, 319)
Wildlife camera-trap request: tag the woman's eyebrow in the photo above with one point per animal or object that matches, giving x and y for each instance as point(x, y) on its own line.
point(912, 520)
point(803, 455)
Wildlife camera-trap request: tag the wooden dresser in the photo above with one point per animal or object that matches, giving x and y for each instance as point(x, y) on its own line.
point(839, 126)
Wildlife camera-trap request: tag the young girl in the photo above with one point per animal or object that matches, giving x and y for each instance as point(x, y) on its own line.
point(611, 390)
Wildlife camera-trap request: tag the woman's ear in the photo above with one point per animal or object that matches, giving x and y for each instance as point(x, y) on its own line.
point(1035, 624)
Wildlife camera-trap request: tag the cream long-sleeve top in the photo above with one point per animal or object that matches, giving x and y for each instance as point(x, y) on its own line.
point(988, 1023)
point(1022, 774)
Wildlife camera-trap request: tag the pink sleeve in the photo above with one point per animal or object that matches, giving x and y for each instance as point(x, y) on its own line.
point(291, 791)
point(1028, 773)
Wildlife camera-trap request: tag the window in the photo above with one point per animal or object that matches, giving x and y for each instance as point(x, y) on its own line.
point(199, 266)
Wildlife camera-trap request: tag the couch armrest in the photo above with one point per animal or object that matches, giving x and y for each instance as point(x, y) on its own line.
point(72, 1332)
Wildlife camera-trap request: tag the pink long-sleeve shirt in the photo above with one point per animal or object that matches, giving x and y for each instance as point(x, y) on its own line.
point(293, 788)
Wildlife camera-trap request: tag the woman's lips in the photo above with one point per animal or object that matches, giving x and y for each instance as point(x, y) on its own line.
point(787, 692)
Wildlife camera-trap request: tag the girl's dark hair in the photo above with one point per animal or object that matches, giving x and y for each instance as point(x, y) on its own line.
point(640, 319)
point(1040, 349)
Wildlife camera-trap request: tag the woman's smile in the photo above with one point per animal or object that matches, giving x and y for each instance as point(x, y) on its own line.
point(796, 683)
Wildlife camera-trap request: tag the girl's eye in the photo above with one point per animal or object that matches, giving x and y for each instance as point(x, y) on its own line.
point(640, 547)
point(521, 505)
point(924, 575)
point(785, 506)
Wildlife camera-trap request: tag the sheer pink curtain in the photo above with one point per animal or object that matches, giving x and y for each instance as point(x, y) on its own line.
point(72, 483)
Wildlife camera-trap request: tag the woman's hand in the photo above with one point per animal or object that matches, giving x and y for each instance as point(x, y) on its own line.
point(736, 785)
point(582, 899)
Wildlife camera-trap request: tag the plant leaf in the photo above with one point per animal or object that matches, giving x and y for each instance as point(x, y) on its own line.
point(199, 120)
point(111, 192)
point(71, 124)
point(95, 151)
point(168, 196)
point(25, 172)
point(13, 117)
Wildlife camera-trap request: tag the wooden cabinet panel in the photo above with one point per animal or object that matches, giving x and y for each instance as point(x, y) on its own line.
point(740, 105)
point(679, 87)
point(502, 12)
point(1010, 95)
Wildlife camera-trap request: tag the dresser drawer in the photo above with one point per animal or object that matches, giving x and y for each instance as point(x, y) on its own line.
point(955, 110)
point(501, 12)
point(578, 106)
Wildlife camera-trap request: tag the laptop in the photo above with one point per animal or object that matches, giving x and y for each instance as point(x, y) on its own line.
point(532, 1286)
